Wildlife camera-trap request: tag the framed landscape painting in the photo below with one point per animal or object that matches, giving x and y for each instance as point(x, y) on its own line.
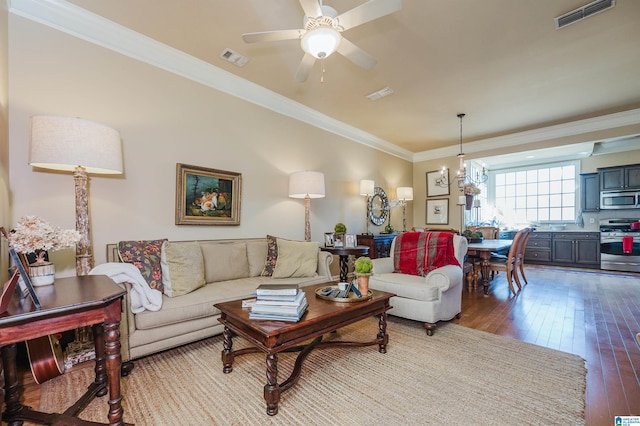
point(207, 196)
point(437, 212)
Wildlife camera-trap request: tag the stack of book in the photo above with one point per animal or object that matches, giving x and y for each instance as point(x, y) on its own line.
point(283, 302)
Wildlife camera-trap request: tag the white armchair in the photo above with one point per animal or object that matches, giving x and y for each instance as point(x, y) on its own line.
point(435, 297)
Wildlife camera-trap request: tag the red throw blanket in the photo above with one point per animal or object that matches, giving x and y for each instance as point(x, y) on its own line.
point(418, 253)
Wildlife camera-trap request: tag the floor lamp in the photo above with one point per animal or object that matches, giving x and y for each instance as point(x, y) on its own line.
point(79, 146)
point(306, 185)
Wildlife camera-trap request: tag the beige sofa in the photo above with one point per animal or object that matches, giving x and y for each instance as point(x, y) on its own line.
point(429, 299)
point(232, 270)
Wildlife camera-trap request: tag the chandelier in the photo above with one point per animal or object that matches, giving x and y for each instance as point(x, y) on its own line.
point(461, 176)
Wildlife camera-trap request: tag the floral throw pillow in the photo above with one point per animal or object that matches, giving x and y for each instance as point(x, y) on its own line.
point(272, 256)
point(144, 255)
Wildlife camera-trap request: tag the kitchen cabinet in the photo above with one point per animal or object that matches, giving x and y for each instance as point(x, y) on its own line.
point(576, 249)
point(590, 192)
point(379, 244)
point(538, 248)
point(622, 177)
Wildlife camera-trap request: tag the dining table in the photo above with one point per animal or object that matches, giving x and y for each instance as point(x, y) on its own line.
point(483, 250)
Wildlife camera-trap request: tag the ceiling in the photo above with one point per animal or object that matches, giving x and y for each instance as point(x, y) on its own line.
point(502, 62)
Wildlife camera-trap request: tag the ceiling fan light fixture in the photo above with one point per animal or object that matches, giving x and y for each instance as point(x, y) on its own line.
point(321, 42)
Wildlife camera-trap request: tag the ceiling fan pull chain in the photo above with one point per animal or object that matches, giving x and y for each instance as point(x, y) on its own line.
point(322, 75)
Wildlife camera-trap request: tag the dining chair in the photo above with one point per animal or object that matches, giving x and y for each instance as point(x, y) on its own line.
point(488, 232)
point(523, 248)
point(509, 263)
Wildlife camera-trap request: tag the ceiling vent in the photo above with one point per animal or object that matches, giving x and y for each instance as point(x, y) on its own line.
point(584, 12)
point(234, 57)
point(385, 91)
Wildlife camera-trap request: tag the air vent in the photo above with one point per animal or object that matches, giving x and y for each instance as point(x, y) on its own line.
point(234, 57)
point(385, 91)
point(583, 12)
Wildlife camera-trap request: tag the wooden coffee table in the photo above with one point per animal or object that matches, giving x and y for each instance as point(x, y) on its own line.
point(273, 337)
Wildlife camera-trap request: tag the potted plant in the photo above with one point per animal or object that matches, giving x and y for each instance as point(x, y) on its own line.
point(338, 234)
point(363, 268)
point(473, 236)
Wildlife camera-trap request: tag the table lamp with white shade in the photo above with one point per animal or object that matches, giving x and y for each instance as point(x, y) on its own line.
point(306, 185)
point(82, 147)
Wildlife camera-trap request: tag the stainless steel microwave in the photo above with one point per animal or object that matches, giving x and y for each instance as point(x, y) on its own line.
point(620, 200)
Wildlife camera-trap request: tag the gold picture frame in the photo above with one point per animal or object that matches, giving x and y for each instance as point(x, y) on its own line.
point(207, 196)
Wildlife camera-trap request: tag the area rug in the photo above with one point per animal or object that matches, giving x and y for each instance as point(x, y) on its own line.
point(458, 376)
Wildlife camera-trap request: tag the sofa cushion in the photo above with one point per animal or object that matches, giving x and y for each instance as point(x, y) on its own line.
point(182, 267)
point(296, 259)
point(405, 285)
point(144, 255)
point(256, 254)
point(224, 261)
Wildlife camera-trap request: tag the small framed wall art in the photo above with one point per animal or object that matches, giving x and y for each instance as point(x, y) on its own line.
point(438, 183)
point(437, 212)
point(207, 196)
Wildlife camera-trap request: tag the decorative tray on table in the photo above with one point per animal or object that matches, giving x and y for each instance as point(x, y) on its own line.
point(334, 294)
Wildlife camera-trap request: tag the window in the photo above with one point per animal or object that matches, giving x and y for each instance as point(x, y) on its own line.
point(538, 193)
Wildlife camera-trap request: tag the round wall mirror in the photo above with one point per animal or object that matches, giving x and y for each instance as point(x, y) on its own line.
point(378, 206)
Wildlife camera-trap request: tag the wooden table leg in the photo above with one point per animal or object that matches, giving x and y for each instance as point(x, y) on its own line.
point(11, 387)
point(227, 352)
point(485, 269)
point(113, 363)
point(271, 389)
point(383, 337)
point(344, 268)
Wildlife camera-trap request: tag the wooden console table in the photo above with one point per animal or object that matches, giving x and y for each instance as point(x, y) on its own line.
point(379, 244)
point(67, 304)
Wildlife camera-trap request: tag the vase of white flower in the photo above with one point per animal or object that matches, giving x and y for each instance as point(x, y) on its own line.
point(34, 235)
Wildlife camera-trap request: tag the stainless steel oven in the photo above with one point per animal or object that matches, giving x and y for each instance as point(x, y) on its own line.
point(619, 245)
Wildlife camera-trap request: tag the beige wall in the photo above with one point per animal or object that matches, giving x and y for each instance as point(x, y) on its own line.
point(587, 165)
point(165, 119)
point(4, 144)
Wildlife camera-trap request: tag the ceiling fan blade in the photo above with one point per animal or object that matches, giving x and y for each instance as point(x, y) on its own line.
point(356, 55)
point(272, 35)
point(373, 9)
point(311, 8)
point(304, 69)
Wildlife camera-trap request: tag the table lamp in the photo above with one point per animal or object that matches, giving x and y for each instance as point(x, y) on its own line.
point(306, 185)
point(404, 194)
point(367, 188)
point(79, 146)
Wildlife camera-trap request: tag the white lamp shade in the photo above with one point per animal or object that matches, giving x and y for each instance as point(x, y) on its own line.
point(306, 183)
point(64, 143)
point(405, 193)
point(367, 187)
point(321, 42)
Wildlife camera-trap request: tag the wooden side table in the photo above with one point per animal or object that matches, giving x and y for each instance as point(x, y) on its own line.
point(69, 303)
point(344, 253)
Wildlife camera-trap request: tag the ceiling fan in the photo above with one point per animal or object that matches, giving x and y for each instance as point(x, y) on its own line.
point(321, 35)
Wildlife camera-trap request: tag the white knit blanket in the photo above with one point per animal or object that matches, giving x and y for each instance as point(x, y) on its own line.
point(142, 296)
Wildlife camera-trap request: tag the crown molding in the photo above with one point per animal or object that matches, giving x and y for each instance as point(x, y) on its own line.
point(604, 122)
point(80, 23)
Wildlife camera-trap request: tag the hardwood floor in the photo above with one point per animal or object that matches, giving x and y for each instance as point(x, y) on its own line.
point(593, 315)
